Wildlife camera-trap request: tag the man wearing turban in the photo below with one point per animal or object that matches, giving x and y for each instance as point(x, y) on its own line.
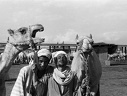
point(64, 81)
point(33, 78)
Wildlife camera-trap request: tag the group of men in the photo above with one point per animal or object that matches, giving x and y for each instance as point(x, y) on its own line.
point(40, 79)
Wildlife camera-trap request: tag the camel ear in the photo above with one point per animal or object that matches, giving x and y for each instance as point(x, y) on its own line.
point(77, 37)
point(91, 36)
point(8, 39)
point(11, 32)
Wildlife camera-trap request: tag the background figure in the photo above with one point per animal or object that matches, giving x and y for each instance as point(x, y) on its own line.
point(32, 79)
point(64, 81)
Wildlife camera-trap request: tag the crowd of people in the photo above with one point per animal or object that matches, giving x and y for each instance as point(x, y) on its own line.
point(118, 56)
point(41, 79)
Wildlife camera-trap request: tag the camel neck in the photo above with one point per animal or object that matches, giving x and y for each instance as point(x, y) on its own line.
point(8, 56)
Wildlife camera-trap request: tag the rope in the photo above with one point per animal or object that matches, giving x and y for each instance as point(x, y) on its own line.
point(86, 73)
point(32, 47)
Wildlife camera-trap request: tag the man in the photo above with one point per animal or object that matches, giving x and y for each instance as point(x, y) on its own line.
point(64, 81)
point(33, 79)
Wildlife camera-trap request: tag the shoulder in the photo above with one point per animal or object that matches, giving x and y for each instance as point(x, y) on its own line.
point(25, 69)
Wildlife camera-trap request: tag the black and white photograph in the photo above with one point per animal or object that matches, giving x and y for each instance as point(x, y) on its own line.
point(63, 48)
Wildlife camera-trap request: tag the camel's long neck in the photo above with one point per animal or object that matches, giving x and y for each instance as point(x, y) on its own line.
point(8, 56)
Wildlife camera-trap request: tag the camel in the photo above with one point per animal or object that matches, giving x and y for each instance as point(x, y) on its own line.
point(18, 41)
point(87, 66)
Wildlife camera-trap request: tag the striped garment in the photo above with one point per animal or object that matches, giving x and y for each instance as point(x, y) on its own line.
point(23, 82)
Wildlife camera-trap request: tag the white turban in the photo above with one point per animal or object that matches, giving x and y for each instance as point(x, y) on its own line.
point(60, 52)
point(44, 52)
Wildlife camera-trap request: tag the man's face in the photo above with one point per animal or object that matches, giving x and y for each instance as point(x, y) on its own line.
point(43, 62)
point(61, 60)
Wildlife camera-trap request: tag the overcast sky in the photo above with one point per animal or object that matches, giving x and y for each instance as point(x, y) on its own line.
point(106, 20)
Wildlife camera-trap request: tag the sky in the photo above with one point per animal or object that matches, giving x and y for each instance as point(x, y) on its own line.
point(106, 20)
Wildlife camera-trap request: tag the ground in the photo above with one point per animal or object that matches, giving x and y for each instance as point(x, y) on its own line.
point(113, 81)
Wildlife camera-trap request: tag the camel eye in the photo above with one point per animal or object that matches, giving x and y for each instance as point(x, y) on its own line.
point(92, 43)
point(22, 30)
point(77, 43)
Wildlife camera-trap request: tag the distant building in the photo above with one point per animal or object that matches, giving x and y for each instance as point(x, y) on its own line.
point(102, 49)
point(68, 48)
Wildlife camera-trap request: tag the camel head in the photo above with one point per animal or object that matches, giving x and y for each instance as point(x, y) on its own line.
point(84, 44)
point(24, 36)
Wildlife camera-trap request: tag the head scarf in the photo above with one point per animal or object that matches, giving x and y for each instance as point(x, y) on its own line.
point(60, 52)
point(66, 74)
point(44, 52)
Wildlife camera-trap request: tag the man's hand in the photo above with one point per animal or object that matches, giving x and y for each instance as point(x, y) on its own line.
point(33, 66)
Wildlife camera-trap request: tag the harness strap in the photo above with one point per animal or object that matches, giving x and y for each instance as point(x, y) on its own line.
point(85, 60)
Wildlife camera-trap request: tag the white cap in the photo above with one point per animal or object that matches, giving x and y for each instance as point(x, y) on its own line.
point(44, 52)
point(60, 52)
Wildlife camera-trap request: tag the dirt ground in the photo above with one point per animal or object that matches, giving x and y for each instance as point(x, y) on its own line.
point(113, 81)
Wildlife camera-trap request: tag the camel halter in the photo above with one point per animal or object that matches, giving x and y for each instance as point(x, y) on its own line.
point(85, 60)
